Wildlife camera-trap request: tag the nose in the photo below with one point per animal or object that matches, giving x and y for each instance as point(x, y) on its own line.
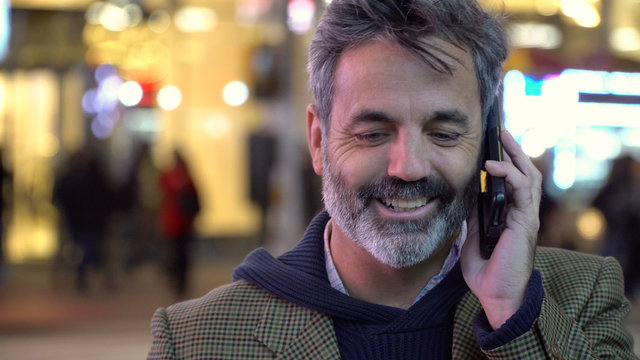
point(408, 157)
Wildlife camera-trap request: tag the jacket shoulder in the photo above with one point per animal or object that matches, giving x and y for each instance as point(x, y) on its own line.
point(239, 296)
point(241, 321)
point(555, 259)
point(211, 326)
point(571, 277)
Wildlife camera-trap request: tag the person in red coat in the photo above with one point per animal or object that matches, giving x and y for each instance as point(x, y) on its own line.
point(180, 206)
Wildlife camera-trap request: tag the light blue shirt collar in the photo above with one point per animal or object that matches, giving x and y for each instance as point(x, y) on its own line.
point(449, 262)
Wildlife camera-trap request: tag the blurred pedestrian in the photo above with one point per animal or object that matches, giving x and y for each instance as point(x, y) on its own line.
point(180, 206)
point(140, 199)
point(619, 201)
point(5, 181)
point(83, 193)
point(262, 158)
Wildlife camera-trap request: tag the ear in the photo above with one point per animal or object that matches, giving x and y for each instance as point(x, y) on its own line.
point(314, 137)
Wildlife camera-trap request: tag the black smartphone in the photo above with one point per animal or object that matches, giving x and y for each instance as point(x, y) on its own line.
point(492, 198)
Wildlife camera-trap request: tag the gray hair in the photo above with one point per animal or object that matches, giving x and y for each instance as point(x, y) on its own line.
point(463, 23)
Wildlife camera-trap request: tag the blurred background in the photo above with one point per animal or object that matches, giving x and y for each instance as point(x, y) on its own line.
point(147, 146)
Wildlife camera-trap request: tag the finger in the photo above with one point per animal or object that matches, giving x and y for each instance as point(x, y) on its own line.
point(523, 163)
point(524, 189)
point(514, 153)
point(513, 176)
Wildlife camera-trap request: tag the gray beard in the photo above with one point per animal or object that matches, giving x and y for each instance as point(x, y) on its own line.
point(398, 244)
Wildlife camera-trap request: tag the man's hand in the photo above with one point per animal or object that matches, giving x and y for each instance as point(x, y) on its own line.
point(500, 282)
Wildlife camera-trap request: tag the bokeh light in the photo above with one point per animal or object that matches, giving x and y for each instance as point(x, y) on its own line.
point(625, 39)
point(114, 15)
point(130, 93)
point(102, 126)
point(192, 19)
point(235, 93)
point(564, 168)
point(90, 101)
point(218, 126)
point(104, 71)
point(584, 13)
point(300, 14)
point(5, 28)
point(591, 224)
point(534, 143)
point(169, 97)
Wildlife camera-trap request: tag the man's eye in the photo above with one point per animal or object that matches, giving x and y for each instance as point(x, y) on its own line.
point(370, 137)
point(445, 138)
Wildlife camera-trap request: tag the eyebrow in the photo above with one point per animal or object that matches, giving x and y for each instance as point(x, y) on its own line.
point(453, 116)
point(366, 116)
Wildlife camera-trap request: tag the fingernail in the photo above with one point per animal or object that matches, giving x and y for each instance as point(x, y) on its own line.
point(491, 163)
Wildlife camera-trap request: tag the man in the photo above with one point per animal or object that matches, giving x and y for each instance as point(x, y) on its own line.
point(393, 269)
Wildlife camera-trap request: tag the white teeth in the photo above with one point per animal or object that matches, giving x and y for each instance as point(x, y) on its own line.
point(405, 205)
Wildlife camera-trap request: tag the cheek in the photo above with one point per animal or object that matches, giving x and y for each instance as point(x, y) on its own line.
point(458, 168)
point(457, 178)
point(355, 165)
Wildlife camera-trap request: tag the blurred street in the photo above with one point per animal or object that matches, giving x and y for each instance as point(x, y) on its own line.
point(42, 317)
point(39, 320)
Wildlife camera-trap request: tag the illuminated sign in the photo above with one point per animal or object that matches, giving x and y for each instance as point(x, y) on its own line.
point(571, 99)
point(586, 117)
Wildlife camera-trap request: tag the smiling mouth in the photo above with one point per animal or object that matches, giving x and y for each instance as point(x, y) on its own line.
point(403, 205)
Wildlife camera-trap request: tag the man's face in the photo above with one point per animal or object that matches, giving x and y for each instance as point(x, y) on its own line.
point(400, 163)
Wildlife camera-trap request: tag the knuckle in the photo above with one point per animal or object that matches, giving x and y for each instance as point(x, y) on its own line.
point(537, 175)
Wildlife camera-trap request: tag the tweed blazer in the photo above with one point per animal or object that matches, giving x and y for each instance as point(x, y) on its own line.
point(581, 318)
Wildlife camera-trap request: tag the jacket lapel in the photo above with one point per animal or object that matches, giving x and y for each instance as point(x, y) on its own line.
point(294, 332)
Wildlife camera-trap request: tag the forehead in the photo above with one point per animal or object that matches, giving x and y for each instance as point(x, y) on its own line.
point(379, 68)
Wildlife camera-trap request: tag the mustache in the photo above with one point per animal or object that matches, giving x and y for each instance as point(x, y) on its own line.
point(393, 187)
